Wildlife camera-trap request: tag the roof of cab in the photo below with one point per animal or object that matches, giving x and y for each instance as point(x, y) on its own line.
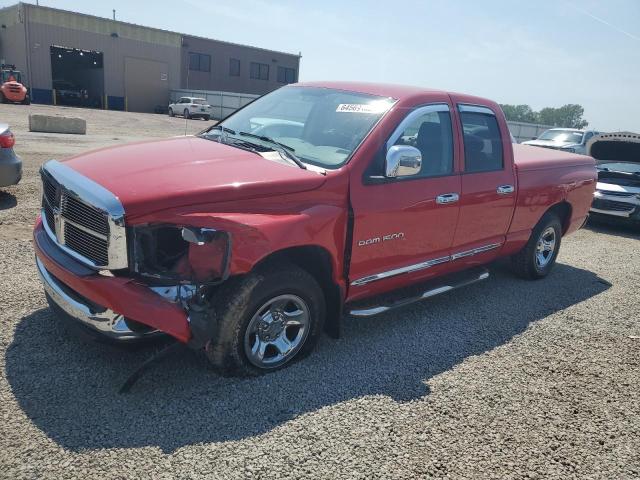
point(380, 89)
point(398, 92)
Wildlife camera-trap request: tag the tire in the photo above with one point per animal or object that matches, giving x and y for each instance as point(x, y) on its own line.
point(2, 98)
point(537, 258)
point(26, 101)
point(206, 118)
point(243, 326)
point(186, 113)
point(171, 114)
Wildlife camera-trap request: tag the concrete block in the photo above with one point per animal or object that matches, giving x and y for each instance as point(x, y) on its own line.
point(53, 124)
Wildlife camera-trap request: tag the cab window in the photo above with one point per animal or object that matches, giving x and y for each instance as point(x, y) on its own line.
point(482, 140)
point(430, 132)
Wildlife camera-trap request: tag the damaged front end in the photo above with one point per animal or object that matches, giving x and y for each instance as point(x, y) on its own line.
point(183, 264)
point(618, 162)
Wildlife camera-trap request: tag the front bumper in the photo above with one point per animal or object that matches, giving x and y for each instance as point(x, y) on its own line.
point(105, 303)
point(621, 205)
point(100, 319)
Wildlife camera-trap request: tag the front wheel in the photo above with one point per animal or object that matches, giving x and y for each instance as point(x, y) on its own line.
point(537, 258)
point(206, 118)
point(265, 321)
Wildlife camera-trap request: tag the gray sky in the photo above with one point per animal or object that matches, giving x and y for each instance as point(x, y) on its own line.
point(543, 53)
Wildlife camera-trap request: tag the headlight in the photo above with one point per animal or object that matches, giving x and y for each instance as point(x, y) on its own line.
point(174, 254)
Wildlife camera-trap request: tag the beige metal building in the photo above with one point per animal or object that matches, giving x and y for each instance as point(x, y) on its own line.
point(72, 58)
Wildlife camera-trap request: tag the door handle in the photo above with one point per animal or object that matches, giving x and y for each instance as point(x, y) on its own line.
point(447, 198)
point(505, 189)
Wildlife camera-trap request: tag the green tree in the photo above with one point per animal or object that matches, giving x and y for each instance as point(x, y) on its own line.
point(568, 116)
point(519, 113)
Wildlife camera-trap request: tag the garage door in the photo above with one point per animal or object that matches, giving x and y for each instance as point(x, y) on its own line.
point(146, 84)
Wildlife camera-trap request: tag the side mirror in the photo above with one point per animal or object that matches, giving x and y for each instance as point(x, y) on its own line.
point(402, 161)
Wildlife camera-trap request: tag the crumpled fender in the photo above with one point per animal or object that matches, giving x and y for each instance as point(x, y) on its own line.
point(254, 236)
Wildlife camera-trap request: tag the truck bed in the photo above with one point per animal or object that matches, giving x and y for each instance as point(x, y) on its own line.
point(528, 158)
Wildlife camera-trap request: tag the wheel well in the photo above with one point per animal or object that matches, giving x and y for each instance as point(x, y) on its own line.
point(563, 210)
point(316, 261)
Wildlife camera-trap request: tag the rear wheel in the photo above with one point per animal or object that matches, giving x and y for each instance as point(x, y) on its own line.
point(537, 258)
point(265, 321)
point(207, 117)
point(186, 113)
point(171, 114)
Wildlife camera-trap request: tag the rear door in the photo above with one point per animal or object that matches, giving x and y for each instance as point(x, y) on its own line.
point(488, 185)
point(403, 228)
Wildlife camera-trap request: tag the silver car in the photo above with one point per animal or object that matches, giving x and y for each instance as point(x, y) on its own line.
point(10, 163)
point(566, 139)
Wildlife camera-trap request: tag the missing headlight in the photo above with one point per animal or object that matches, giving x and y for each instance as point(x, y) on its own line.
point(161, 252)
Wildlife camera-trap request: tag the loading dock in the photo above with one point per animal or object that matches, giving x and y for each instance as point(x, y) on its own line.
point(77, 76)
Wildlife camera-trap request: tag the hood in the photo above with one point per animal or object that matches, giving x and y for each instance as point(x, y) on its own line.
point(157, 175)
point(615, 147)
point(549, 143)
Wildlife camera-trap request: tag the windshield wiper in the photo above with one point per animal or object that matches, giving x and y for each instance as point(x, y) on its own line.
point(280, 147)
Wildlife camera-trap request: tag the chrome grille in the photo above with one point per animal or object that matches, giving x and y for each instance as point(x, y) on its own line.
point(88, 245)
point(85, 219)
point(85, 215)
point(617, 194)
point(603, 204)
point(50, 190)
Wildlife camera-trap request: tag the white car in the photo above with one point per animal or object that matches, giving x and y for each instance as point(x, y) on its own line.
point(191, 107)
point(566, 139)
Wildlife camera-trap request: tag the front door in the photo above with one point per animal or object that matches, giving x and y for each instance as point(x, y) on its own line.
point(404, 226)
point(488, 188)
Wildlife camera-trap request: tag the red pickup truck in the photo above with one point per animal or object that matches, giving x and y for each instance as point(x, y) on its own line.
point(253, 237)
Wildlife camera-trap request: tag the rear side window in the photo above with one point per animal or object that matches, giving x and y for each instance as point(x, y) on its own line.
point(429, 130)
point(482, 140)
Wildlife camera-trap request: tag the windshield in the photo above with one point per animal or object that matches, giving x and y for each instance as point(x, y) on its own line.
point(11, 75)
point(322, 126)
point(626, 167)
point(199, 101)
point(562, 136)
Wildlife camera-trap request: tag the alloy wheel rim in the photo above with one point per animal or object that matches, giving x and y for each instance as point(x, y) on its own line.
point(277, 331)
point(546, 247)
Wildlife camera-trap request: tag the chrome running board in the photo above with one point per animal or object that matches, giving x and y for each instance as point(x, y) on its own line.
point(411, 295)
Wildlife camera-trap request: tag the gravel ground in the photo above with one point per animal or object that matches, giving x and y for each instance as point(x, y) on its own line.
point(503, 379)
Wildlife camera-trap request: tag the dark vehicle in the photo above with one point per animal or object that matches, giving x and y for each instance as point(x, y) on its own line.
point(617, 194)
point(10, 163)
point(69, 93)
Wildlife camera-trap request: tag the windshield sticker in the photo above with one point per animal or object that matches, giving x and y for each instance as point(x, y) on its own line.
point(374, 107)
